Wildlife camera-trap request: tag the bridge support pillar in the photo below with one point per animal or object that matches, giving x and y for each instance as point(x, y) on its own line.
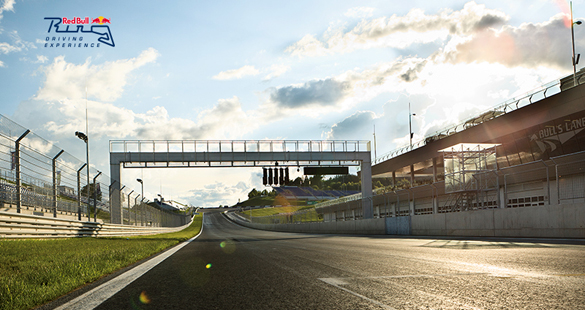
point(115, 203)
point(366, 176)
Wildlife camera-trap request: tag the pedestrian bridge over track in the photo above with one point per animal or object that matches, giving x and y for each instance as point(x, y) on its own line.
point(236, 153)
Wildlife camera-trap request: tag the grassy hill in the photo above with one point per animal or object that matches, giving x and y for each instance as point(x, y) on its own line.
point(275, 210)
point(270, 201)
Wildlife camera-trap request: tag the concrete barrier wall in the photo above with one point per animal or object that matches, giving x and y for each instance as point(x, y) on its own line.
point(554, 221)
point(361, 227)
point(398, 225)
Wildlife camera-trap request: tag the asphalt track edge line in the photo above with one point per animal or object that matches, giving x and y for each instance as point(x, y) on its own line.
point(98, 295)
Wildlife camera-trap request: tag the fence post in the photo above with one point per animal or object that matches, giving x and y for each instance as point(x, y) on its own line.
point(435, 198)
point(95, 197)
point(497, 187)
point(18, 176)
point(128, 209)
point(54, 164)
point(79, 192)
point(558, 185)
point(505, 205)
point(135, 207)
point(397, 205)
point(547, 182)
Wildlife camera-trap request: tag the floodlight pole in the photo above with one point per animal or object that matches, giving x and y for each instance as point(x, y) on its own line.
point(575, 60)
point(410, 125)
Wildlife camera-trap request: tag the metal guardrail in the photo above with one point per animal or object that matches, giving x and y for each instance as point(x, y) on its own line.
point(16, 225)
point(491, 113)
point(35, 173)
point(162, 146)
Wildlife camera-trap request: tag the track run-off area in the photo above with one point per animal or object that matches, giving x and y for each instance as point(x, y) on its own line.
point(232, 267)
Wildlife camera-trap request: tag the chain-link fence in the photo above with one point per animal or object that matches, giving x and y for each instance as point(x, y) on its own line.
point(38, 177)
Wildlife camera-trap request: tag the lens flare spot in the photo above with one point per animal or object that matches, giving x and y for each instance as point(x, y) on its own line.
point(144, 298)
point(228, 246)
point(208, 266)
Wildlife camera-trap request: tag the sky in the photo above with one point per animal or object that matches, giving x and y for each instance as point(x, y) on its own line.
point(251, 70)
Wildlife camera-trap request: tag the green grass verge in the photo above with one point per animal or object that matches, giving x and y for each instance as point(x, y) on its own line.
point(33, 272)
point(270, 201)
point(311, 215)
point(257, 201)
point(274, 210)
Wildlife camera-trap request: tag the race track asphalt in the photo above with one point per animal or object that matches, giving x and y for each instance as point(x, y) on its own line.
point(232, 267)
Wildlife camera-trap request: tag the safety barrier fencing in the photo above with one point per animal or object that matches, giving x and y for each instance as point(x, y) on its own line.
point(37, 175)
point(17, 225)
point(559, 180)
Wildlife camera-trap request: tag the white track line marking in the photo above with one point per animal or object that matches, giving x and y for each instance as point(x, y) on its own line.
point(96, 296)
point(336, 282)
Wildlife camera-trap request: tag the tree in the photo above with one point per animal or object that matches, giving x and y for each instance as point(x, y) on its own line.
point(91, 191)
point(253, 193)
point(297, 182)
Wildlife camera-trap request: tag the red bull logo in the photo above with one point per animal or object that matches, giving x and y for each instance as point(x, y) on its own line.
point(73, 32)
point(75, 21)
point(100, 20)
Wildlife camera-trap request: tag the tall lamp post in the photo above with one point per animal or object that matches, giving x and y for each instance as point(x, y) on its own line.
point(142, 194)
point(410, 133)
point(85, 139)
point(575, 60)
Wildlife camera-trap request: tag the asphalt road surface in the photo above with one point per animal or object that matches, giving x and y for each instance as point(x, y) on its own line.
point(232, 267)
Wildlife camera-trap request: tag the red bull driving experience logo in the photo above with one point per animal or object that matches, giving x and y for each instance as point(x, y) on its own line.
point(74, 32)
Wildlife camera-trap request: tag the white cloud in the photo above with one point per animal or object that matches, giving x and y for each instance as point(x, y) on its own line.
point(225, 120)
point(218, 193)
point(106, 81)
point(347, 89)
point(353, 126)
point(1, 63)
point(42, 59)
point(6, 48)
point(236, 73)
point(360, 12)
point(7, 5)
point(17, 45)
point(400, 31)
point(529, 45)
point(276, 71)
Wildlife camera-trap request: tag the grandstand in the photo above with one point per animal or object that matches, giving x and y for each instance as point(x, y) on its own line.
point(533, 138)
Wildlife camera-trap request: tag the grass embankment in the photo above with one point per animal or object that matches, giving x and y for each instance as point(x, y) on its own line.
point(270, 201)
point(33, 272)
point(275, 210)
point(310, 216)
